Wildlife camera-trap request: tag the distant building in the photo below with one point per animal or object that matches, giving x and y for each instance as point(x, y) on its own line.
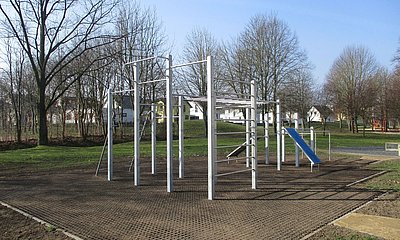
point(195, 110)
point(125, 109)
point(320, 113)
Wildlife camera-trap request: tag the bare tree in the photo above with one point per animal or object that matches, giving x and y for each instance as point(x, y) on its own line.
point(42, 28)
point(16, 91)
point(352, 83)
point(142, 36)
point(396, 59)
point(199, 44)
point(297, 93)
point(273, 52)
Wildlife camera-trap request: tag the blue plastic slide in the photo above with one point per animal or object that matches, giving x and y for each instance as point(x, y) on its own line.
point(303, 145)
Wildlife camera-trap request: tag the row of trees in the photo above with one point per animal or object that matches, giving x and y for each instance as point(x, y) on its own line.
point(358, 87)
point(267, 51)
point(65, 54)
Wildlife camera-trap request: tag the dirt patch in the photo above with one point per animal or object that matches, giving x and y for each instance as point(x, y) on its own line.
point(14, 225)
point(67, 141)
point(12, 145)
point(335, 232)
point(386, 206)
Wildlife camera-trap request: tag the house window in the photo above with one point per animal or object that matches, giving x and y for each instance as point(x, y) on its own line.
point(196, 108)
point(124, 115)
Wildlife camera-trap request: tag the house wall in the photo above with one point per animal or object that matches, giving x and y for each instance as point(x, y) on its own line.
point(195, 110)
point(313, 115)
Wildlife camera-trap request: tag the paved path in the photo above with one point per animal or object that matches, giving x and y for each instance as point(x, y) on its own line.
point(288, 204)
point(371, 150)
point(385, 227)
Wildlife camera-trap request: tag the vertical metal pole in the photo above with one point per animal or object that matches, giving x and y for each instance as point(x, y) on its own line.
point(110, 123)
point(181, 137)
point(278, 135)
point(254, 159)
point(153, 139)
point(296, 126)
point(315, 142)
point(170, 186)
point(266, 137)
point(312, 138)
point(248, 133)
point(283, 145)
point(212, 154)
point(329, 146)
point(136, 124)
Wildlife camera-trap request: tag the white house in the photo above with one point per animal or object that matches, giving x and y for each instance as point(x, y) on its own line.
point(235, 115)
point(195, 111)
point(319, 113)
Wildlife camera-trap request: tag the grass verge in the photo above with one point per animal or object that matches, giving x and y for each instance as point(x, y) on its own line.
point(388, 181)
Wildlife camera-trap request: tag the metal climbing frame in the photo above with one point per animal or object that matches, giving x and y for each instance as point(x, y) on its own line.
point(136, 124)
point(251, 107)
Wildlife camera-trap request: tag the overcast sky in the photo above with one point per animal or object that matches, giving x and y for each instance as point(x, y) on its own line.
point(324, 27)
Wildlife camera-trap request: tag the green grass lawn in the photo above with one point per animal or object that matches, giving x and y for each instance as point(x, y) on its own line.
point(48, 157)
point(388, 181)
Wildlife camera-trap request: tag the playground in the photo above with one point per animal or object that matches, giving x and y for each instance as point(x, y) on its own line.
point(288, 204)
point(232, 191)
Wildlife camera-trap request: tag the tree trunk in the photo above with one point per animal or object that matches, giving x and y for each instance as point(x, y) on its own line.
point(43, 131)
point(364, 125)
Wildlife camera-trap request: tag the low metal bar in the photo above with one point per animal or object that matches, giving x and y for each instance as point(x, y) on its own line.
point(231, 146)
point(142, 60)
point(166, 117)
point(153, 81)
point(230, 133)
point(234, 119)
point(266, 102)
point(230, 93)
point(231, 80)
point(231, 159)
point(122, 91)
point(235, 172)
point(187, 64)
point(148, 104)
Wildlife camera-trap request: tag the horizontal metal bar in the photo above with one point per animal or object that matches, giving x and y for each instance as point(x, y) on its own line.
point(233, 119)
point(232, 159)
point(266, 102)
point(229, 133)
point(187, 64)
point(148, 104)
point(235, 106)
point(232, 146)
point(231, 80)
point(230, 93)
point(153, 81)
point(121, 91)
point(321, 131)
point(166, 117)
point(144, 59)
point(140, 60)
point(230, 173)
